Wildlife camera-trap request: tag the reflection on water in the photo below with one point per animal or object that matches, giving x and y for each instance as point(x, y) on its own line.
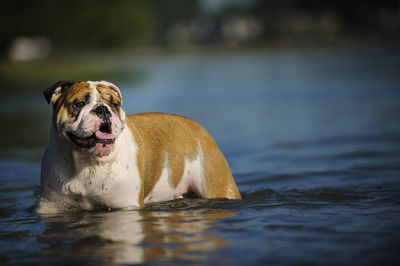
point(125, 237)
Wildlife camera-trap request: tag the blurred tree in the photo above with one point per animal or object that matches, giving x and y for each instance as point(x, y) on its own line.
point(170, 12)
point(78, 24)
point(352, 18)
point(102, 24)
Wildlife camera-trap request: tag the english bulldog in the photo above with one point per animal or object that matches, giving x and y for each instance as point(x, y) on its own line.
point(99, 158)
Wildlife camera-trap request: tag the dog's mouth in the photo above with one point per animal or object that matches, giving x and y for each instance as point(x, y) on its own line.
point(102, 136)
point(89, 142)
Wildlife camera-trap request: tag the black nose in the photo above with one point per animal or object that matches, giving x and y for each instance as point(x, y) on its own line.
point(102, 112)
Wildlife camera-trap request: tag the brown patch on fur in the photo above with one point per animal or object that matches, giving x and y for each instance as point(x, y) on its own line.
point(108, 96)
point(158, 134)
point(219, 181)
point(65, 85)
point(77, 92)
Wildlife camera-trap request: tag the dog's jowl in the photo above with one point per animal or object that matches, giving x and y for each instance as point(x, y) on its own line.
point(98, 157)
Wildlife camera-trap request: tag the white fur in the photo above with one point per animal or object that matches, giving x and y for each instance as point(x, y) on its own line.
point(191, 180)
point(93, 84)
point(71, 178)
point(76, 180)
point(194, 171)
point(163, 189)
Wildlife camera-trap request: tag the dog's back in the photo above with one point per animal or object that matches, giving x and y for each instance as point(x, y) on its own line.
point(173, 140)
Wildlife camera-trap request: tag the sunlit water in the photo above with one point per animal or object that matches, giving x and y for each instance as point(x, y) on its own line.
point(313, 140)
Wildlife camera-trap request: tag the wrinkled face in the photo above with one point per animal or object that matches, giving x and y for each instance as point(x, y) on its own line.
point(88, 115)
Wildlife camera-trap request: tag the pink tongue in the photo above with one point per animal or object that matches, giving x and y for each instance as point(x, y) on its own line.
point(102, 135)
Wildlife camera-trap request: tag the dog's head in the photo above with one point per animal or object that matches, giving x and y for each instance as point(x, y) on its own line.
point(87, 114)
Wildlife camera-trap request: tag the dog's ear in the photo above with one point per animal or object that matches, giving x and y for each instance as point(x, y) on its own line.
point(114, 88)
point(54, 91)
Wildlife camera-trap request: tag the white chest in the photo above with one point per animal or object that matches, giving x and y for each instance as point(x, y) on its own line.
point(115, 186)
point(68, 179)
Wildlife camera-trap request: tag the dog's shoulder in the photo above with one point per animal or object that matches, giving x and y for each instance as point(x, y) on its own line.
point(163, 125)
point(160, 120)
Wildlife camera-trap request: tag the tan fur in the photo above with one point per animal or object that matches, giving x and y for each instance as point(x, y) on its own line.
point(77, 92)
point(158, 134)
point(109, 97)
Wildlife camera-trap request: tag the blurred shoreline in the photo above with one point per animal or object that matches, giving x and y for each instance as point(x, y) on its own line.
point(44, 28)
point(33, 75)
point(44, 41)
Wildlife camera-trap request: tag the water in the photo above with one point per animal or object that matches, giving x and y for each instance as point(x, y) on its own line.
point(313, 141)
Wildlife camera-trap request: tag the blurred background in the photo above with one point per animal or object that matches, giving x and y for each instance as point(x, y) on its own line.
point(302, 96)
point(33, 30)
point(44, 41)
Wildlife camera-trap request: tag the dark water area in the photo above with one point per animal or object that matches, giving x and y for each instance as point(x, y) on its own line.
point(313, 140)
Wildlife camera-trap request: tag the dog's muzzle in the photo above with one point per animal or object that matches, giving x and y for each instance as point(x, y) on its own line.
point(91, 141)
point(102, 112)
point(102, 135)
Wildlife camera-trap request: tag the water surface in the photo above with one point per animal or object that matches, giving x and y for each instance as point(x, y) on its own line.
point(313, 140)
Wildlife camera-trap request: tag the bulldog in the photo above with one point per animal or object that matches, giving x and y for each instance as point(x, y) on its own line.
point(99, 158)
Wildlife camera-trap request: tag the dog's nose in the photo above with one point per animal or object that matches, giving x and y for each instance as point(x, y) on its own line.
point(102, 111)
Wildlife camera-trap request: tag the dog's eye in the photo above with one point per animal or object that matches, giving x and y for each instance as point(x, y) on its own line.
point(79, 104)
point(115, 105)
